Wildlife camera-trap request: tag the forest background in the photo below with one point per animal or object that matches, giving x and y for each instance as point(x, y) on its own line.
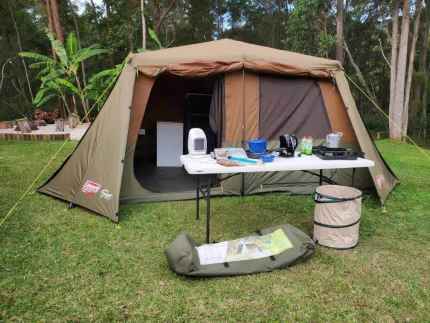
point(384, 46)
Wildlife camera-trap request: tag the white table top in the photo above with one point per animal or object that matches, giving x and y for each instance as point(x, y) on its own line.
point(207, 165)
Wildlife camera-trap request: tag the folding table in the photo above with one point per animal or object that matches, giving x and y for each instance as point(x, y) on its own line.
point(206, 165)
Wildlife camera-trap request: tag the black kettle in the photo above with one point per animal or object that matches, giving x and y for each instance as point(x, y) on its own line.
point(288, 144)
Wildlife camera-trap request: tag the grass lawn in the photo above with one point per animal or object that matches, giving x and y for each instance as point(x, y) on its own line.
point(69, 265)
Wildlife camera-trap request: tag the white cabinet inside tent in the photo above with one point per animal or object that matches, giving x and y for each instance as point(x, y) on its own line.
point(169, 144)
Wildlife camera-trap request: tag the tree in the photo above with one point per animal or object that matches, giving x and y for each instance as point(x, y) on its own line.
point(59, 77)
point(393, 68)
point(160, 14)
point(402, 68)
point(339, 32)
point(19, 42)
point(423, 86)
point(311, 18)
point(54, 23)
point(78, 38)
point(142, 15)
point(405, 119)
point(396, 120)
point(312, 27)
point(359, 74)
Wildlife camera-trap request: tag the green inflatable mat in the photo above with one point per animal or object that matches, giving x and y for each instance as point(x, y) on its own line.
point(273, 248)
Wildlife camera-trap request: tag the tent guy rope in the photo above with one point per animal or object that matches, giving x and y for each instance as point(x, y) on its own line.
point(386, 115)
point(54, 156)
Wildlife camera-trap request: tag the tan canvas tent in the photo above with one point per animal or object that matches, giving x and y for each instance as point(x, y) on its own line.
point(233, 90)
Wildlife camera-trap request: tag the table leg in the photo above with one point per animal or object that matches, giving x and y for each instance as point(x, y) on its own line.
point(321, 176)
point(197, 197)
point(242, 185)
point(353, 177)
point(205, 190)
point(208, 211)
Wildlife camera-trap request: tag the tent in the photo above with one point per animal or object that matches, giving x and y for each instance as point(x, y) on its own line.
point(235, 91)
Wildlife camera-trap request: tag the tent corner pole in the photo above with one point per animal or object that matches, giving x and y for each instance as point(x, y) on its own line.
point(242, 189)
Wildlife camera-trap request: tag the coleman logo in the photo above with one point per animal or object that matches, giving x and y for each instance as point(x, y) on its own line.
point(105, 194)
point(90, 188)
point(380, 181)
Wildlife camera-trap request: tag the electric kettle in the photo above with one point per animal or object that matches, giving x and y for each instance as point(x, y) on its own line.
point(288, 144)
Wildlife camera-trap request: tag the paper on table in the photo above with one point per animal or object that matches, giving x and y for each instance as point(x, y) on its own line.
point(224, 153)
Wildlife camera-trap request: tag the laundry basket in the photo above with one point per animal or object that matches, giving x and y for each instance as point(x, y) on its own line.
point(337, 216)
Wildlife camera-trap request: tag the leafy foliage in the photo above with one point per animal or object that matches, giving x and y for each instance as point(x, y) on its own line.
point(99, 85)
point(306, 26)
point(60, 78)
point(154, 37)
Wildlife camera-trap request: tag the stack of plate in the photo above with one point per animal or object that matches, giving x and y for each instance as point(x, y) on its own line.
point(253, 155)
point(266, 156)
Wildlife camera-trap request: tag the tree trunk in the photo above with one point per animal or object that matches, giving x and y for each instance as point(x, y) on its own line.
point(19, 43)
point(142, 15)
point(416, 102)
point(323, 25)
point(56, 20)
point(47, 5)
point(339, 32)
point(130, 36)
point(218, 19)
point(107, 7)
point(399, 95)
point(52, 29)
point(425, 103)
point(394, 56)
point(423, 67)
point(82, 97)
point(161, 15)
point(418, 6)
point(78, 37)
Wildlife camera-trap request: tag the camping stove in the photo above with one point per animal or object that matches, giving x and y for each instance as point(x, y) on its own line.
point(335, 153)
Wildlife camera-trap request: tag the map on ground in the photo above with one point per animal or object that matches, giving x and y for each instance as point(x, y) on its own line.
point(247, 248)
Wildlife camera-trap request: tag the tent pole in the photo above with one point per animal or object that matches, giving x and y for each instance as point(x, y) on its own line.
point(243, 108)
point(242, 189)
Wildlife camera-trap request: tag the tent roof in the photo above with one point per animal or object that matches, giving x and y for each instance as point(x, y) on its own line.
point(226, 55)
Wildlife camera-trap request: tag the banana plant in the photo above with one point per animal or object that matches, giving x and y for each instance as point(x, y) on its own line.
point(100, 83)
point(50, 75)
point(61, 76)
point(52, 86)
point(153, 37)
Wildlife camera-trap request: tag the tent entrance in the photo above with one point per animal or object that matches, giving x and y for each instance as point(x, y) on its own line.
point(197, 109)
point(176, 105)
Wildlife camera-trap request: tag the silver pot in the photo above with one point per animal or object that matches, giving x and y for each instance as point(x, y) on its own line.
point(333, 140)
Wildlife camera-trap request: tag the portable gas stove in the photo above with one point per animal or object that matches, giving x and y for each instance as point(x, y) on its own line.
point(336, 153)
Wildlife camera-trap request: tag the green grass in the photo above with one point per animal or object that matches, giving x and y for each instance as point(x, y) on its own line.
point(69, 265)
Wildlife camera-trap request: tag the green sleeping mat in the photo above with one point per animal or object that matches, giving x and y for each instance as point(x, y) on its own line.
point(273, 248)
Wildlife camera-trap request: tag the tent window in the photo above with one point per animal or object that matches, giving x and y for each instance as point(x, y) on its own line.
point(292, 105)
point(217, 106)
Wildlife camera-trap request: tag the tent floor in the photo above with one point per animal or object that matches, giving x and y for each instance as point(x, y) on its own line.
point(164, 179)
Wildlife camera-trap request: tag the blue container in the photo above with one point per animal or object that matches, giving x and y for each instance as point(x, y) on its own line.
point(258, 146)
point(267, 158)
